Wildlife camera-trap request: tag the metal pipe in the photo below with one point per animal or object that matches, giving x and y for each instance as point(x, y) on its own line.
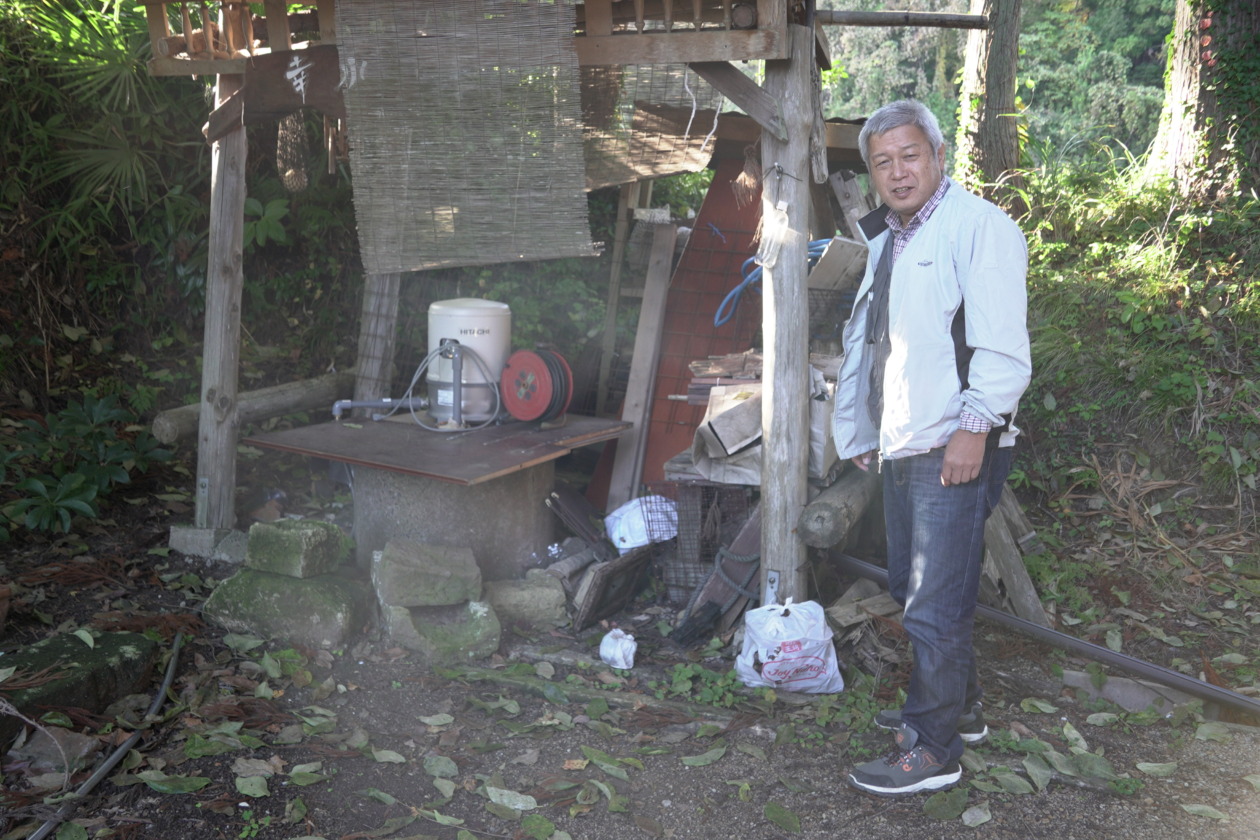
point(385, 402)
point(1107, 656)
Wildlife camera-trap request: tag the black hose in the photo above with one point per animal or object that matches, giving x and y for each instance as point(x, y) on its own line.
point(69, 805)
point(1107, 656)
point(559, 386)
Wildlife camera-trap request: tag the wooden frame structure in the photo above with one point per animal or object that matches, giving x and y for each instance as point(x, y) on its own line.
point(264, 73)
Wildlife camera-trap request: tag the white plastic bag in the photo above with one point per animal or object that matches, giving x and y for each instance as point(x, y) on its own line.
point(617, 649)
point(789, 646)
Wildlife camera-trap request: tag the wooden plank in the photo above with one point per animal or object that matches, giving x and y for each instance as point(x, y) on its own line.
point(853, 203)
point(941, 20)
point(855, 612)
point(465, 458)
point(197, 66)
point(378, 324)
point(281, 83)
point(822, 219)
point(745, 93)
point(785, 206)
point(628, 463)
point(999, 543)
point(215, 500)
point(679, 47)
point(627, 200)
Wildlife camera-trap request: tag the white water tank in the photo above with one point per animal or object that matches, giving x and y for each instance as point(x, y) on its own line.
point(485, 328)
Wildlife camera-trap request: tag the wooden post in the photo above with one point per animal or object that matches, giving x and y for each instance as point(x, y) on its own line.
point(632, 446)
point(378, 323)
point(216, 440)
point(785, 207)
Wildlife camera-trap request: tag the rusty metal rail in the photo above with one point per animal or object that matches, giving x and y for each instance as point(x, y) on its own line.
point(1107, 656)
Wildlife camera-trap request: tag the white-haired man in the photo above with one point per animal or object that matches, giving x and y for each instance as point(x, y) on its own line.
point(936, 358)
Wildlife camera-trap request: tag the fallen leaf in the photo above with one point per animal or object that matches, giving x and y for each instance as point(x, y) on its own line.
point(1159, 771)
point(705, 758)
point(1204, 811)
point(510, 798)
point(437, 720)
point(1034, 705)
point(440, 767)
point(388, 757)
point(976, 815)
point(946, 804)
point(1213, 731)
point(255, 786)
point(782, 817)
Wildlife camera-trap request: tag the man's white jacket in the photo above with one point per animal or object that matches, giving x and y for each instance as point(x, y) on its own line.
point(967, 251)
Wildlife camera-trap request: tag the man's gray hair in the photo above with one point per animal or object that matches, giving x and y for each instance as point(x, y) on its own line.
point(895, 115)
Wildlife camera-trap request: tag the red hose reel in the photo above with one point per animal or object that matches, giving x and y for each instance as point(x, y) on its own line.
point(536, 385)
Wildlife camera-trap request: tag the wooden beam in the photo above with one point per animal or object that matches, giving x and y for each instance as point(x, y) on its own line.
point(745, 93)
point(307, 395)
point(279, 38)
point(832, 515)
point(215, 505)
point(939, 20)
point(632, 446)
point(679, 47)
point(596, 17)
point(785, 206)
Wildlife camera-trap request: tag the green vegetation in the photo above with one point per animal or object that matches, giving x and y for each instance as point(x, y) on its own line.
point(52, 473)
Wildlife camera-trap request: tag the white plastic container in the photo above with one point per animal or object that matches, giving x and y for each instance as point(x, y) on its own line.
point(485, 328)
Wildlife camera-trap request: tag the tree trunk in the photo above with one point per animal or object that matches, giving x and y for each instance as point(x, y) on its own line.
point(988, 137)
point(1207, 132)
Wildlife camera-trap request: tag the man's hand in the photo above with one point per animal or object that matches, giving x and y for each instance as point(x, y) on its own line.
point(963, 456)
point(863, 461)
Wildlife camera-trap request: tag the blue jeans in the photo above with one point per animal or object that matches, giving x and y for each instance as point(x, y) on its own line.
point(935, 552)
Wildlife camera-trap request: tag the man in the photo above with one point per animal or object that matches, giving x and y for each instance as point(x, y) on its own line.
point(936, 358)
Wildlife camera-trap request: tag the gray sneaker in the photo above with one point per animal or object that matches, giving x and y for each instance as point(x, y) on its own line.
point(908, 769)
point(971, 726)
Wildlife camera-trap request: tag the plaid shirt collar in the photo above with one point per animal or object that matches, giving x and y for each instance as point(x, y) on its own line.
point(902, 233)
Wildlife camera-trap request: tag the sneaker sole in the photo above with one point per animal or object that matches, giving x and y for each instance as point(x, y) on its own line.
point(967, 737)
point(945, 780)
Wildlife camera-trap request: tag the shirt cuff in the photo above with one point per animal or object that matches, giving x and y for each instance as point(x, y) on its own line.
point(969, 422)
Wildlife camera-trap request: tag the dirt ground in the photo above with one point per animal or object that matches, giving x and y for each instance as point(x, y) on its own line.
point(544, 740)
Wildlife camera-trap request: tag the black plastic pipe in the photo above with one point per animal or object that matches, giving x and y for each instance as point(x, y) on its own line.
point(68, 808)
point(1107, 656)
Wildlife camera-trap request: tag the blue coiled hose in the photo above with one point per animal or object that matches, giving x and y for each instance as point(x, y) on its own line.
point(752, 274)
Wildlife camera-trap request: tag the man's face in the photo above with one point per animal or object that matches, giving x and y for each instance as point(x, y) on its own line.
point(906, 172)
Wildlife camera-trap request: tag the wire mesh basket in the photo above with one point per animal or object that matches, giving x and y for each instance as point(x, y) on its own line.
point(709, 516)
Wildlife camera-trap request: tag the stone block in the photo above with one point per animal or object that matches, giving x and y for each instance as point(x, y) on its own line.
point(537, 601)
point(412, 574)
point(298, 548)
point(222, 544)
point(505, 522)
point(326, 611)
point(445, 635)
point(90, 677)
